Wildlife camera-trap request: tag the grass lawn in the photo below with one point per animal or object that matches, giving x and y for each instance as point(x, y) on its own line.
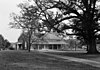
point(23, 60)
point(79, 54)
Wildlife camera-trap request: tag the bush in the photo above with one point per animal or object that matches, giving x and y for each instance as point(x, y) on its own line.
point(11, 48)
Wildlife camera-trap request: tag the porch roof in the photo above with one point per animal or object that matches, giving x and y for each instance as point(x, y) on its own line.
point(56, 42)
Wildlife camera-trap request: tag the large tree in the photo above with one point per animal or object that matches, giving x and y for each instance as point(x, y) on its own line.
point(83, 15)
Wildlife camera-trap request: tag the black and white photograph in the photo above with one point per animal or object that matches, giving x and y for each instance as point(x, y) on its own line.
point(50, 35)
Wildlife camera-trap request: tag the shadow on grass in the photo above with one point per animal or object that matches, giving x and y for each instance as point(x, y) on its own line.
point(77, 54)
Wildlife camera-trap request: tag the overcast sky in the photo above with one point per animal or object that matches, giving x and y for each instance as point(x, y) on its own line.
point(7, 7)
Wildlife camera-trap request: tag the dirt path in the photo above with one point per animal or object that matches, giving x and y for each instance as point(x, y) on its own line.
point(84, 61)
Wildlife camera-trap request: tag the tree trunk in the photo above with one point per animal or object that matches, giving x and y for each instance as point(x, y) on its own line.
point(29, 47)
point(23, 45)
point(29, 40)
point(91, 49)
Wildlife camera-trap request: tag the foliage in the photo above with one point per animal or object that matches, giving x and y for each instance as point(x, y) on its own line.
point(2, 44)
point(7, 43)
point(83, 17)
point(27, 21)
point(79, 16)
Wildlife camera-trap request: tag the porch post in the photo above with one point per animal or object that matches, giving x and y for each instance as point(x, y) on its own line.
point(57, 46)
point(25, 45)
point(38, 46)
point(17, 47)
point(44, 46)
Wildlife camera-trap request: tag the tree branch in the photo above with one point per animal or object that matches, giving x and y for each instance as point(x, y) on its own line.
point(66, 19)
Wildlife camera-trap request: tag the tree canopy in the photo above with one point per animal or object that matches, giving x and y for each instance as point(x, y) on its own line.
point(82, 17)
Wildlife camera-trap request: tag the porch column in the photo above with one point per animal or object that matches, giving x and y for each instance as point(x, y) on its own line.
point(17, 46)
point(57, 46)
point(38, 46)
point(44, 46)
point(25, 45)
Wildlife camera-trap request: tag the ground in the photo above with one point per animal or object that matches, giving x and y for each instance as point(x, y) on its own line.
point(23, 60)
point(79, 54)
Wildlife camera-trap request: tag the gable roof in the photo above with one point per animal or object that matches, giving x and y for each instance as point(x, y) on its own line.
point(51, 36)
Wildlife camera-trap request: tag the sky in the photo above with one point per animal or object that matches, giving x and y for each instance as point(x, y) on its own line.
point(7, 7)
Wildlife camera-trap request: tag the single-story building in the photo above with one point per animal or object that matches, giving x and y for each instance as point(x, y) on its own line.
point(49, 41)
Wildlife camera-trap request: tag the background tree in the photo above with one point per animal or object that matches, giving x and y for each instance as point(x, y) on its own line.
point(7, 43)
point(2, 42)
point(27, 20)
